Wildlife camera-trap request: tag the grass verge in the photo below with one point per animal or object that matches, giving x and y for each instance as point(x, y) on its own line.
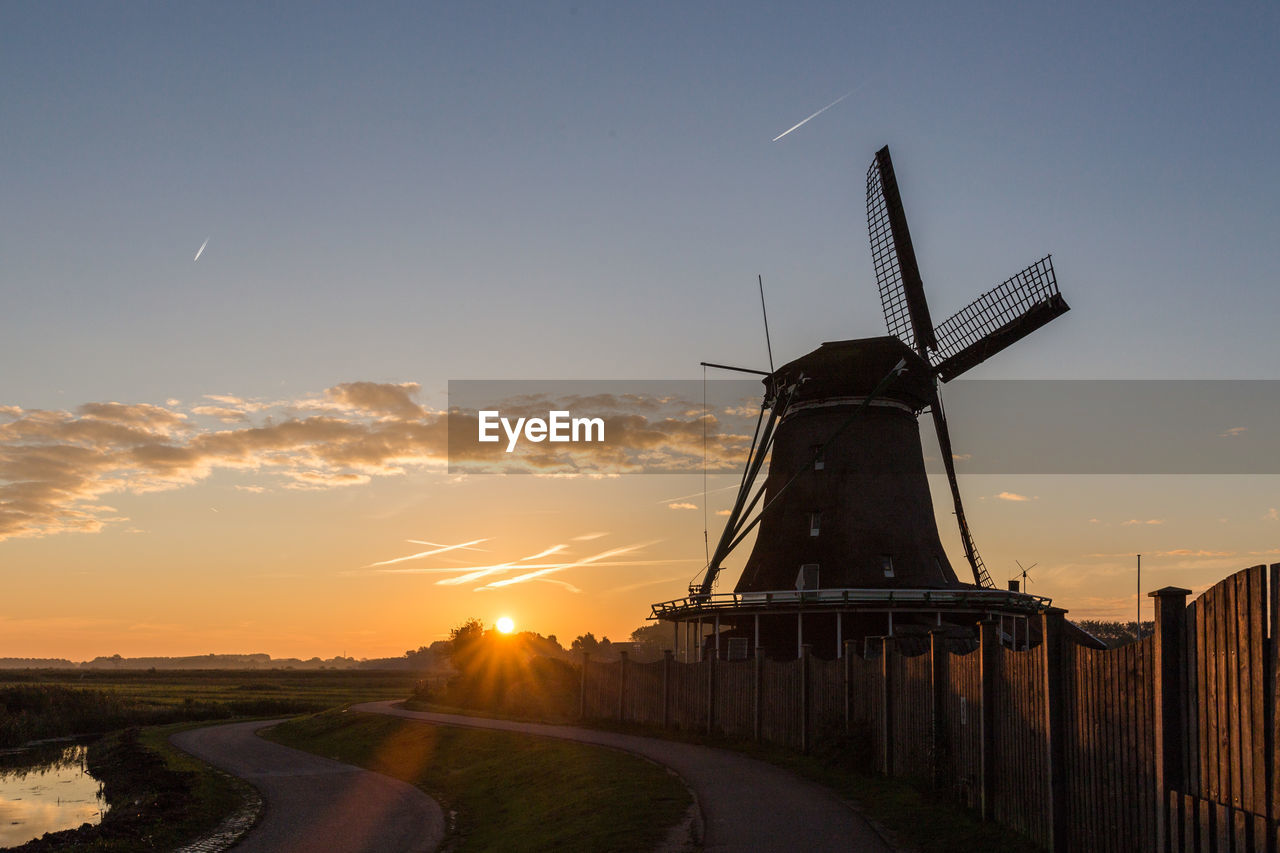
point(510, 792)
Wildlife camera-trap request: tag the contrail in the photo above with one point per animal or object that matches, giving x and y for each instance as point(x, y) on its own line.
point(421, 554)
point(815, 115)
point(206, 242)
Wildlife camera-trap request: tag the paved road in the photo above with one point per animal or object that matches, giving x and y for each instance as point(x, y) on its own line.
point(747, 805)
point(314, 804)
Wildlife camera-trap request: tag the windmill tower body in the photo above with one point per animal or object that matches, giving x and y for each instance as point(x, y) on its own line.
point(853, 506)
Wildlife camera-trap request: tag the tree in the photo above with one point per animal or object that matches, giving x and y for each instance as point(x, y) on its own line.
point(466, 640)
point(652, 640)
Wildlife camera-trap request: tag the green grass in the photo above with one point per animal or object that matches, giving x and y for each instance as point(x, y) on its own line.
point(511, 792)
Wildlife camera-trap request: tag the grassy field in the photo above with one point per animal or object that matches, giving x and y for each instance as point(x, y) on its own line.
point(510, 792)
point(328, 688)
point(54, 703)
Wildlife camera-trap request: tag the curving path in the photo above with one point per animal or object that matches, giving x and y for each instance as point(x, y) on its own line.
point(747, 805)
point(317, 804)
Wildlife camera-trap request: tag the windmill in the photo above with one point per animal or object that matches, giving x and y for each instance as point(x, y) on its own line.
point(858, 385)
point(848, 539)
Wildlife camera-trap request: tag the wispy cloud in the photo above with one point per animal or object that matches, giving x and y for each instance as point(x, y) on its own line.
point(1233, 432)
point(1136, 521)
point(1271, 515)
point(1012, 496)
point(681, 505)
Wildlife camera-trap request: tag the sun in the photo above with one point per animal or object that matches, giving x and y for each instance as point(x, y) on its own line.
point(505, 625)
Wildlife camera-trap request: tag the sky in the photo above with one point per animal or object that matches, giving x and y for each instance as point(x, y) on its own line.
point(220, 454)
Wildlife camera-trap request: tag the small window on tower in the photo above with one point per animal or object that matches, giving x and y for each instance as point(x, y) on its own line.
point(886, 563)
point(818, 462)
point(807, 577)
point(815, 523)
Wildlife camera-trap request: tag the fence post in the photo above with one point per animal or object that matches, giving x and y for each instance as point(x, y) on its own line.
point(667, 656)
point(582, 695)
point(757, 724)
point(805, 652)
point(1271, 707)
point(710, 662)
point(939, 666)
point(886, 706)
point(989, 649)
point(1051, 624)
point(622, 687)
point(848, 687)
point(1170, 693)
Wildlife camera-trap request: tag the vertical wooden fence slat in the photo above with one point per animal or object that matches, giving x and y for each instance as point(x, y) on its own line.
point(1234, 759)
point(1272, 670)
point(1257, 746)
point(939, 680)
point(1191, 681)
point(989, 648)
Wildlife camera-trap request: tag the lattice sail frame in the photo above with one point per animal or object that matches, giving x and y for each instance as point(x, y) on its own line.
point(888, 274)
point(1005, 314)
point(894, 258)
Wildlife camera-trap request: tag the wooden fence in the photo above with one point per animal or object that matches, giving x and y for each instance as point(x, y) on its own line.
point(1167, 744)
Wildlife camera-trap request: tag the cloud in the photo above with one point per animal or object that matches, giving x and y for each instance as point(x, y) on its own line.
point(1233, 432)
point(1134, 521)
point(55, 466)
point(723, 512)
point(391, 401)
point(1271, 515)
point(1012, 496)
point(682, 505)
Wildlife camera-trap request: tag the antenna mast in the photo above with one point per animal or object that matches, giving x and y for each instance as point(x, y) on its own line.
point(767, 343)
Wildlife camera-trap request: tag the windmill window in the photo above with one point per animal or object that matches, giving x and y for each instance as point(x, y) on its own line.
point(818, 461)
point(886, 563)
point(815, 523)
point(807, 577)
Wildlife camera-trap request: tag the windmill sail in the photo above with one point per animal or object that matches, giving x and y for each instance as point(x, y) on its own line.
point(901, 291)
point(998, 318)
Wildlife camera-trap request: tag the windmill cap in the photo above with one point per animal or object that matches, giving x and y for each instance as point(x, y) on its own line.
point(855, 368)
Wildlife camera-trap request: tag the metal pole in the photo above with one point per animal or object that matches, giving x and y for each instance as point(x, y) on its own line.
point(839, 634)
point(757, 648)
point(1137, 626)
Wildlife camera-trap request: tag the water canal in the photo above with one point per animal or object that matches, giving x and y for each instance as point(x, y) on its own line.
point(46, 788)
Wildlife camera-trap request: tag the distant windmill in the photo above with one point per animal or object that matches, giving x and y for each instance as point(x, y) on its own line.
point(1023, 579)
